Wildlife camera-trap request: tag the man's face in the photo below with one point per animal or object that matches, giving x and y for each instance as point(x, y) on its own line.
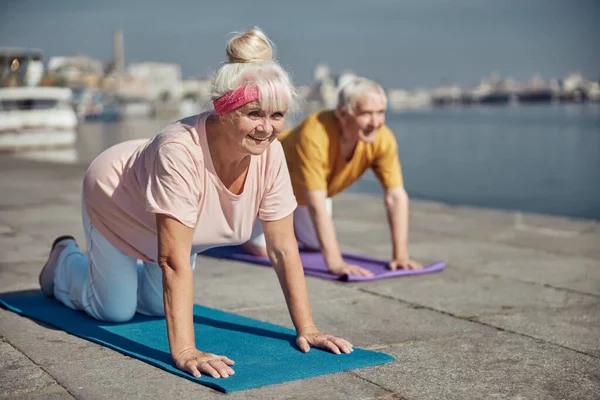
point(367, 117)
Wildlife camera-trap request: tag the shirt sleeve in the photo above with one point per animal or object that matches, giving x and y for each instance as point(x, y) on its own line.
point(174, 185)
point(386, 164)
point(278, 201)
point(312, 158)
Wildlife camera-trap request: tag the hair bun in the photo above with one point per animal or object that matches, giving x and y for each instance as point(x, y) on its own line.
point(252, 46)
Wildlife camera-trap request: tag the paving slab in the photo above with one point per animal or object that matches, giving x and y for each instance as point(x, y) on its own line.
point(488, 366)
point(579, 274)
point(374, 322)
point(575, 327)
point(22, 247)
point(19, 376)
point(514, 315)
point(46, 222)
point(113, 375)
point(53, 393)
point(131, 379)
point(29, 183)
point(560, 235)
point(524, 264)
point(473, 294)
point(46, 345)
point(231, 285)
point(69, 360)
point(585, 244)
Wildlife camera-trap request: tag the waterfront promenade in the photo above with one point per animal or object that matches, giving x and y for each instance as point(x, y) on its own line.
point(516, 314)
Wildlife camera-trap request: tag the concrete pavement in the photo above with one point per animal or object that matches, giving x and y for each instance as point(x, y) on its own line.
point(516, 314)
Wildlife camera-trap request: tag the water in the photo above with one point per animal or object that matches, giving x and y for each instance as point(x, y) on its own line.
point(542, 159)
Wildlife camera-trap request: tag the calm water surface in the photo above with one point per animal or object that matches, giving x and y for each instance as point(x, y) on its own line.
point(541, 159)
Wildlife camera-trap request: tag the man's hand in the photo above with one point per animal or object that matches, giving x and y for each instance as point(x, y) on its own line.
point(343, 268)
point(404, 263)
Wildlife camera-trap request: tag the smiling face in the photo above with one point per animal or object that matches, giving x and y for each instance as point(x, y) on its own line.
point(254, 128)
point(367, 116)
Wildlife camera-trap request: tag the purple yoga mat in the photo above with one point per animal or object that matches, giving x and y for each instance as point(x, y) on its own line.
point(314, 264)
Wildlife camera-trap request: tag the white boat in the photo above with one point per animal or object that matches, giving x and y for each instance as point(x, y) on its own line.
point(36, 118)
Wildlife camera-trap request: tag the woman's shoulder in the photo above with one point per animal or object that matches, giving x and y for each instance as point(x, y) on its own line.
point(182, 133)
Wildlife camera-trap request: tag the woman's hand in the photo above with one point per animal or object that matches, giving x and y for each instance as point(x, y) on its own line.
point(313, 338)
point(198, 362)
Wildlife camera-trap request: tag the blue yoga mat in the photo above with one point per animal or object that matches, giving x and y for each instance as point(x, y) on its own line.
point(264, 354)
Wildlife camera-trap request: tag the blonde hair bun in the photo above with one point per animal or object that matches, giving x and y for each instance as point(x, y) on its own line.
point(252, 46)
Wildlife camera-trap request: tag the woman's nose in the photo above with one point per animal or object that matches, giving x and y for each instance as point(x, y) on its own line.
point(266, 126)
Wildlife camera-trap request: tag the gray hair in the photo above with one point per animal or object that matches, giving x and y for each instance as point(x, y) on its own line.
point(358, 88)
point(250, 63)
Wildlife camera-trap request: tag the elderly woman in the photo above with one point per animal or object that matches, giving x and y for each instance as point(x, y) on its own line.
point(328, 152)
point(198, 184)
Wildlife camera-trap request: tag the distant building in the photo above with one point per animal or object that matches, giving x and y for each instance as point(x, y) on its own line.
point(164, 80)
point(20, 66)
point(399, 99)
point(196, 96)
point(118, 53)
point(78, 70)
point(324, 91)
point(196, 89)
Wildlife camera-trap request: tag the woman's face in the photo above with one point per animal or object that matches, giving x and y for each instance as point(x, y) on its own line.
point(254, 128)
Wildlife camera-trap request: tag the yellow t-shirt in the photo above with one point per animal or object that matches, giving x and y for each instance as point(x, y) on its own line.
point(313, 153)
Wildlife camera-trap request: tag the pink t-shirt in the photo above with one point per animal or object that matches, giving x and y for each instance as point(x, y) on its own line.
point(173, 174)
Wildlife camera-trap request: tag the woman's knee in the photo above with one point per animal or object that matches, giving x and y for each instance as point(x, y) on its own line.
point(152, 306)
point(113, 309)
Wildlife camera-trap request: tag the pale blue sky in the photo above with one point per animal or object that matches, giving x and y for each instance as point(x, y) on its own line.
point(406, 43)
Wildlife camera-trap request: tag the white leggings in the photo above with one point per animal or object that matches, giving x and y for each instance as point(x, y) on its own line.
point(303, 228)
point(108, 284)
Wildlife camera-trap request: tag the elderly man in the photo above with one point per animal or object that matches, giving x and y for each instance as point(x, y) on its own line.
point(328, 152)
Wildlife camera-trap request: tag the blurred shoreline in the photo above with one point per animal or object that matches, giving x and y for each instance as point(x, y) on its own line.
point(540, 158)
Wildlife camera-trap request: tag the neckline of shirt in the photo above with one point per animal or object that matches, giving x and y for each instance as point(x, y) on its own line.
point(200, 128)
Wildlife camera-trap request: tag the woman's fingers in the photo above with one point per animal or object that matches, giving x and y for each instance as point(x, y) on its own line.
point(344, 345)
point(226, 360)
point(221, 368)
point(334, 344)
point(210, 365)
point(329, 345)
point(192, 369)
point(303, 345)
point(208, 369)
point(323, 342)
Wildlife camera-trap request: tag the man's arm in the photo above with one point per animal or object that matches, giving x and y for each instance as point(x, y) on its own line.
point(396, 203)
point(323, 223)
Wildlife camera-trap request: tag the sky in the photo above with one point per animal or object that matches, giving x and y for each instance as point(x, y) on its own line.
point(402, 44)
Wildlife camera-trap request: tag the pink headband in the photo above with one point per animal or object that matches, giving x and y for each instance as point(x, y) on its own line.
point(235, 99)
